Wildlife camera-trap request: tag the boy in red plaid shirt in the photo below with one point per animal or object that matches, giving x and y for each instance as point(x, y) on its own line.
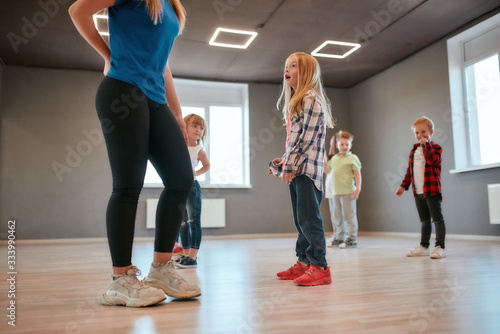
point(424, 173)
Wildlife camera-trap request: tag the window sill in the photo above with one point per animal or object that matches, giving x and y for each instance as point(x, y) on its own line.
point(474, 168)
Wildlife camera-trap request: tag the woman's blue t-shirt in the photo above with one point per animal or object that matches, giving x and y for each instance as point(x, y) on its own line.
point(139, 48)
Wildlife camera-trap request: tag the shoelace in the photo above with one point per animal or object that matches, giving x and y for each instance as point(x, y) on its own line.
point(312, 269)
point(173, 272)
point(436, 250)
point(180, 258)
point(137, 273)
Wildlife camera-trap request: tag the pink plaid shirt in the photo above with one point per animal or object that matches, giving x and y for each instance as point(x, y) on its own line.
point(304, 151)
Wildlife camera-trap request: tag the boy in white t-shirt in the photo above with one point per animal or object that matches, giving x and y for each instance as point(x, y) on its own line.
point(424, 173)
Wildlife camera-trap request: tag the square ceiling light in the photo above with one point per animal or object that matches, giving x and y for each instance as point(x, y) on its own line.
point(230, 38)
point(101, 22)
point(340, 49)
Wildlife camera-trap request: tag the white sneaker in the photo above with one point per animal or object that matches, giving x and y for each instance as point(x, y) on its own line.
point(438, 253)
point(418, 251)
point(166, 278)
point(127, 290)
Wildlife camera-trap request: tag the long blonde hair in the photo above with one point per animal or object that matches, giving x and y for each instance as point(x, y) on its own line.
point(309, 78)
point(155, 9)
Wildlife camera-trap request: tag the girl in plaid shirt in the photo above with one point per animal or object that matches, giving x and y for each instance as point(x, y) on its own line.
point(306, 111)
point(424, 174)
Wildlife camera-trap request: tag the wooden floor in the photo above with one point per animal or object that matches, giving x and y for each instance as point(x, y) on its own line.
point(376, 289)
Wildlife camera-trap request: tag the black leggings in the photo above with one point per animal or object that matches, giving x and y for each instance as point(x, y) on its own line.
point(137, 129)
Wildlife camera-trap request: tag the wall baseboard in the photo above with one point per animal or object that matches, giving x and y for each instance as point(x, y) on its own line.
point(246, 236)
point(417, 235)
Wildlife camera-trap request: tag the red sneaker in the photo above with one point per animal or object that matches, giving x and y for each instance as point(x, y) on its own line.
point(315, 276)
point(293, 272)
point(177, 249)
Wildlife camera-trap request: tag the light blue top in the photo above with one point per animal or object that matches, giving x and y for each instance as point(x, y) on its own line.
point(139, 48)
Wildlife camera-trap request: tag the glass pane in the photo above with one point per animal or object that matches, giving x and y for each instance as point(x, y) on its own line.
point(226, 143)
point(152, 176)
point(484, 80)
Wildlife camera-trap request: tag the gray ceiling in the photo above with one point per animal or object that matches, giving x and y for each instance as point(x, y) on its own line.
point(39, 35)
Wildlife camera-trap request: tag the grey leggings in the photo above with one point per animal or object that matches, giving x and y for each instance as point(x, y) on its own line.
point(137, 129)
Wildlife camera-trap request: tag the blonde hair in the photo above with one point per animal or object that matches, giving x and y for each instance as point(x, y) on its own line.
point(424, 120)
point(197, 120)
point(344, 134)
point(155, 10)
point(309, 78)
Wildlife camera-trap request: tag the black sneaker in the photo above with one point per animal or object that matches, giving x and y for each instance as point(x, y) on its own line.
point(335, 243)
point(180, 258)
point(187, 262)
point(349, 243)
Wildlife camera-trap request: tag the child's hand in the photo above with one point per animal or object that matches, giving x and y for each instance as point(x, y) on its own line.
point(424, 140)
point(277, 161)
point(287, 177)
point(354, 195)
point(400, 191)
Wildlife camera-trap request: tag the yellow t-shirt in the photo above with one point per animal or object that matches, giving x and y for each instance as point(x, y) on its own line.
point(342, 167)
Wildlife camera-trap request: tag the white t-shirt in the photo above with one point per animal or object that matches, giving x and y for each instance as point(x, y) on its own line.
point(193, 154)
point(419, 170)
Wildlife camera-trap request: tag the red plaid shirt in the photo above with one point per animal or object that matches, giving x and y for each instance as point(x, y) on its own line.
point(432, 173)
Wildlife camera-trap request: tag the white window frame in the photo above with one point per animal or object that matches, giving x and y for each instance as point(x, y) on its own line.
point(458, 96)
point(204, 94)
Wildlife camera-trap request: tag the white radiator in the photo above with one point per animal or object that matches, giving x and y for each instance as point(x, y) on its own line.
point(494, 202)
point(213, 212)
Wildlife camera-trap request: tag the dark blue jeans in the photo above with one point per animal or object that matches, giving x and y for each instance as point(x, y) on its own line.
point(137, 129)
point(430, 208)
point(191, 229)
point(306, 200)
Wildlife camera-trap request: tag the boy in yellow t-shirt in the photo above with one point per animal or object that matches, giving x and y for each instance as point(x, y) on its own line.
point(346, 185)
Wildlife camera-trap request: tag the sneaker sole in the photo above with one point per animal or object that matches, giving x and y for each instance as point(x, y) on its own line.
point(437, 257)
point(120, 300)
point(323, 281)
point(416, 255)
point(171, 292)
point(183, 266)
point(289, 278)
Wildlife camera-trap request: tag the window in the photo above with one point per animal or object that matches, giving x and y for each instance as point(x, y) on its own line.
point(224, 106)
point(474, 70)
point(483, 97)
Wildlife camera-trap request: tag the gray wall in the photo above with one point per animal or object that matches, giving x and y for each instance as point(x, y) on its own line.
point(48, 115)
point(383, 110)
point(49, 124)
point(44, 114)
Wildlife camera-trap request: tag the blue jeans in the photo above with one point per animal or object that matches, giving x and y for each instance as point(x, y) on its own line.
point(306, 200)
point(191, 229)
